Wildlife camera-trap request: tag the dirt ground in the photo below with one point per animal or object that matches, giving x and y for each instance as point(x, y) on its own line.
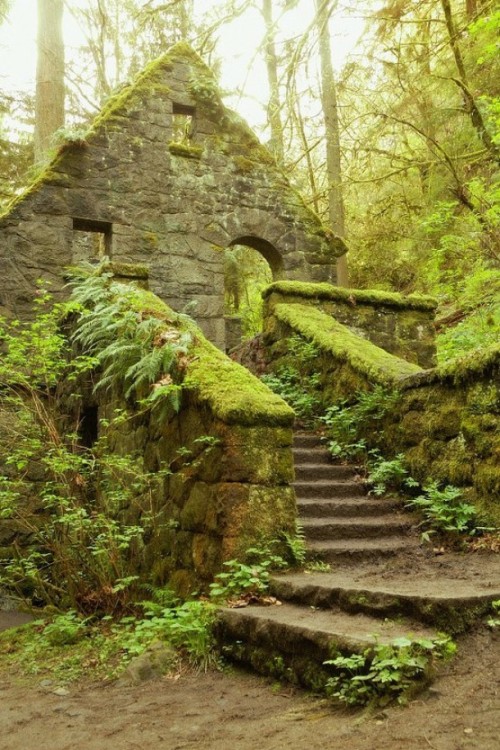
point(240, 711)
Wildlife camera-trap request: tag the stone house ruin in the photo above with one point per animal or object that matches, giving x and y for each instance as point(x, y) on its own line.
point(166, 178)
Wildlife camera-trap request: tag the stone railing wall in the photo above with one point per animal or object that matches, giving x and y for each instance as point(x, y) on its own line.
point(403, 326)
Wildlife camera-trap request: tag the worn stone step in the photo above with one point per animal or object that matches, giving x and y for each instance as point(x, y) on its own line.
point(446, 603)
point(311, 456)
point(327, 489)
point(354, 550)
point(364, 505)
point(307, 440)
point(293, 642)
point(369, 527)
point(315, 471)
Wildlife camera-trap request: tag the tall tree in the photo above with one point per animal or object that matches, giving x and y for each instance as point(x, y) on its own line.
point(329, 101)
point(49, 103)
point(274, 104)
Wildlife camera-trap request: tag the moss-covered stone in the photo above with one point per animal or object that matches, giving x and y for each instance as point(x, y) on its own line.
point(186, 150)
point(337, 340)
point(351, 296)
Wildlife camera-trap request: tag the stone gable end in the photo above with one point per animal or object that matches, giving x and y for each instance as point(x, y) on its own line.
point(166, 177)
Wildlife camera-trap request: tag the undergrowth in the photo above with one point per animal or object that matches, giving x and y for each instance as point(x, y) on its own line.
point(387, 672)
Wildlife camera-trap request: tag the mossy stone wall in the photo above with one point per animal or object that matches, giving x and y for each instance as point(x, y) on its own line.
point(217, 500)
point(403, 326)
point(449, 430)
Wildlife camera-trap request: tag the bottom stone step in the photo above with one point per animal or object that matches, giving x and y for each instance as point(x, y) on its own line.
point(293, 642)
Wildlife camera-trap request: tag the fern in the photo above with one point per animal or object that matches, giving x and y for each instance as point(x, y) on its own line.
point(134, 352)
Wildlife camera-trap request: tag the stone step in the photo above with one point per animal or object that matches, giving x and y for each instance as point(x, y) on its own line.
point(355, 550)
point(293, 642)
point(364, 505)
point(368, 527)
point(311, 456)
point(326, 489)
point(446, 603)
point(307, 440)
point(326, 471)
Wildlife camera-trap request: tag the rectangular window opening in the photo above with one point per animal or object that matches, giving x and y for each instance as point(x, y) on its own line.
point(183, 122)
point(91, 240)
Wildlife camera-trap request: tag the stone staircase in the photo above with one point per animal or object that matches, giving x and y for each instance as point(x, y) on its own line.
point(340, 521)
point(379, 585)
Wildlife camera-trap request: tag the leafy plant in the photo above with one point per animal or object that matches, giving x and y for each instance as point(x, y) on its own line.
point(295, 382)
point(444, 509)
point(345, 422)
point(494, 620)
point(248, 580)
point(385, 473)
point(386, 672)
point(65, 629)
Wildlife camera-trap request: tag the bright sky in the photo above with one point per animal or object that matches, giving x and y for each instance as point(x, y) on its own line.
point(239, 40)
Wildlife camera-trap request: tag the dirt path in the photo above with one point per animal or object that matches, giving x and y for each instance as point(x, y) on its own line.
point(238, 711)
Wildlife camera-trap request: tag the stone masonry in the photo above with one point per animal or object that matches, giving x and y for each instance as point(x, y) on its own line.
point(167, 177)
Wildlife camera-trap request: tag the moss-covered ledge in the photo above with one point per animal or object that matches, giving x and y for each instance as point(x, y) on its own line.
point(226, 455)
point(336, 340)
point(403, 326)
point(476, 364)
point(351, 296)
point(232, 393)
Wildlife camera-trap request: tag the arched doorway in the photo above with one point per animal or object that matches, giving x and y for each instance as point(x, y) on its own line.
point(250, 264)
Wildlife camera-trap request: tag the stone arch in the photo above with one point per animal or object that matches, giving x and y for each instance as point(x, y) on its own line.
point(267, 250)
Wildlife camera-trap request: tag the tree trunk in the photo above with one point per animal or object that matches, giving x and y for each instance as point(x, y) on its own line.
point(332, 134)
point(274, 105)
point(470, 104)
point(49, 103)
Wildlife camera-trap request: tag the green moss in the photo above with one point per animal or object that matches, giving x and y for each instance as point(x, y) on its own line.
point(232, 393)
point(350, 296)
point(377, 365)
point(185, 150)
point(129, 270)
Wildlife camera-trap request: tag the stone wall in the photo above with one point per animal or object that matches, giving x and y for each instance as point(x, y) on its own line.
point(168, 177)
point(446, 421)
point(448, 425)
point(401, 325)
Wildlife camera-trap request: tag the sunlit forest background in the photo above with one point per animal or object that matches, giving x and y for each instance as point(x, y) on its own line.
point(384, 114)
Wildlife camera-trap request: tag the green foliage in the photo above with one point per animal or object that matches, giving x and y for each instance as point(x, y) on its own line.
point(186, 626)
point(493, 621)
point(444, 510)
point(66, 646)
point(295, 383)
point(65, 629)
point(345, 421)
point(387, 473)
point(248, 580)
point(246, 274)
point(387, 672)
point(137, 352)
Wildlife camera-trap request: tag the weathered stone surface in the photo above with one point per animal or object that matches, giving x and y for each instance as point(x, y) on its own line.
point(163, 203)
